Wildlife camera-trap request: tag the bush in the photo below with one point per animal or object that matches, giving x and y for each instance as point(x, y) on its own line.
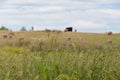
point(3, 28)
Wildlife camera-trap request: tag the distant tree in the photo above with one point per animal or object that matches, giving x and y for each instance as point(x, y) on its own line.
point(3, 28)
point(32, 28)
point(23, 29)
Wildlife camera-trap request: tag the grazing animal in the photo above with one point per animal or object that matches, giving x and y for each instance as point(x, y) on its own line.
point(68, 29)
point(11, 33)
point(109, 33)
point(10, 36)
point(5, 36)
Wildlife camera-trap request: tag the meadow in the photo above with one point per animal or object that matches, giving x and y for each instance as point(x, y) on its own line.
point(41, 55)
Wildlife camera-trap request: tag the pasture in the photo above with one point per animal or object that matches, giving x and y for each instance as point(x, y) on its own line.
point(41, 55)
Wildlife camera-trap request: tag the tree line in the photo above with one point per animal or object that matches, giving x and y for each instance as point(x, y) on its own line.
point(22, 29)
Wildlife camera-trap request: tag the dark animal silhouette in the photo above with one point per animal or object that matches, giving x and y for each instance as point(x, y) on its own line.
point(5, 36)
point(109, 33)
point(10, 36)
point(68, 29)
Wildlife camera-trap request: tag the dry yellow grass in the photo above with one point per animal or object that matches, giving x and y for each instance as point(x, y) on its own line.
point(63, 56)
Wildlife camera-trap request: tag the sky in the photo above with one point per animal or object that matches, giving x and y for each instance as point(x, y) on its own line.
point(83, 15)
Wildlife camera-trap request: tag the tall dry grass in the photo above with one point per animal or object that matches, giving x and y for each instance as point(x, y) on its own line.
point(63, 56)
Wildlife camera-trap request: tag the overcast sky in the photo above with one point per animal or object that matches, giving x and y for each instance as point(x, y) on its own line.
point(83, 15)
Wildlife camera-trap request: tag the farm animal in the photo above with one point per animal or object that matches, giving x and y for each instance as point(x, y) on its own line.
point(5, 36)
point(68, 29)
point(10, 36)
point(109, 33)
point(11, 33)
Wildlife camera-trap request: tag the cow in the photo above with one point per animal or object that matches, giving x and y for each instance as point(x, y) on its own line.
point(11, 33)
point(109, 33)
point(68, 29)
point(10, 36)
point(5, 36)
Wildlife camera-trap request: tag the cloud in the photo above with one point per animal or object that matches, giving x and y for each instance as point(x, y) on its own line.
point(111, 12)
point(103, 1)
point(88, 24)
point(87, 14)
point(46, 9)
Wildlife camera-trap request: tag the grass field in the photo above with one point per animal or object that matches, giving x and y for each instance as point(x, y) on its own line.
point(59, 56)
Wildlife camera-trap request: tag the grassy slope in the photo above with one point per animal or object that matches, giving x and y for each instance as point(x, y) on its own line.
point(41, 57)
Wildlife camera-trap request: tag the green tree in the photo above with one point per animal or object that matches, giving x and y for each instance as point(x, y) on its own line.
point(32, 28)
point(3, 28)
point(23, 29)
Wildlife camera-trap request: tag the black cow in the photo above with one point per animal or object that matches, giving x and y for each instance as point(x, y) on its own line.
point(68, 29)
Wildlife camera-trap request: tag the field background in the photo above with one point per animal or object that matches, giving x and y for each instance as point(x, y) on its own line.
point(42, 55)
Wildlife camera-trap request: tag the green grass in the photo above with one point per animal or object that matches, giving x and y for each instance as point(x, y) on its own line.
point(86, 56)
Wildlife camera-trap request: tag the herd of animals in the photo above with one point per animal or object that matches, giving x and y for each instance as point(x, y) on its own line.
point(11, 34)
